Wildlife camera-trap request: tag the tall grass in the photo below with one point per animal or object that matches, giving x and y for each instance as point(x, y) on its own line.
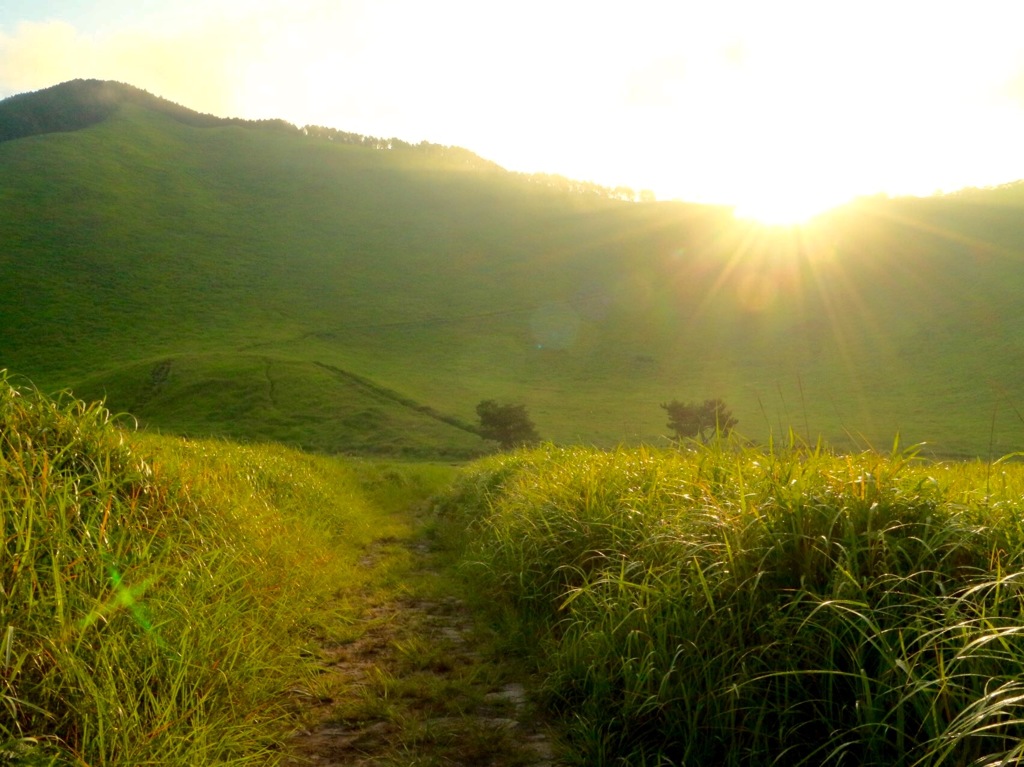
point(734, 606)
point(156, 595)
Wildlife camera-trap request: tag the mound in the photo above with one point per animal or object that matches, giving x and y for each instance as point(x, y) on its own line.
point(305, 404)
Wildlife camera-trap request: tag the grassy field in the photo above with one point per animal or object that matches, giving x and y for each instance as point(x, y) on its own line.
point(161, 600)
point(142, 238)
point(727, 606)
point(167, 600)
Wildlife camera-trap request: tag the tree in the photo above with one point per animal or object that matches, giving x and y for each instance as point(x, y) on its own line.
point(699, 421)
point(508, 425)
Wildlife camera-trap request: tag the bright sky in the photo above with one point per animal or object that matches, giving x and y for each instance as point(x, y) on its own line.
point(781, 108)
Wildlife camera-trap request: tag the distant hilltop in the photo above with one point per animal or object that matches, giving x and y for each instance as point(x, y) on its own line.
point(77, 104)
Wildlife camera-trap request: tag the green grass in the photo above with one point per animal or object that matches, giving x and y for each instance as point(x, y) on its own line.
point(141, 238)
point(307, 405)
point(723, 605)
point(159, 598)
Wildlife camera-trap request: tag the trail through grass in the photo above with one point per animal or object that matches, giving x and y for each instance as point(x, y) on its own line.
point(420, 679)
point(181, 602)
point(196, 602)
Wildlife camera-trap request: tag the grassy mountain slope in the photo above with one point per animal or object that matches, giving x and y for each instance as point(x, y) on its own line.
point(143, 237)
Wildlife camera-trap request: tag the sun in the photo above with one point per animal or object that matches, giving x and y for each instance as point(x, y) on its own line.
point(772, 213)
point(785, 207)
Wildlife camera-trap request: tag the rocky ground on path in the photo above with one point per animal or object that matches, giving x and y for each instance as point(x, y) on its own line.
point(419, 686)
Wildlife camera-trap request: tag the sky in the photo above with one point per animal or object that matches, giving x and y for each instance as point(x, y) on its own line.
point(779, 108)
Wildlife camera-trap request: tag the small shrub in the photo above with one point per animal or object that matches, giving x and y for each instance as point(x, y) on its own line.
point(692, 420)
point(508, 425)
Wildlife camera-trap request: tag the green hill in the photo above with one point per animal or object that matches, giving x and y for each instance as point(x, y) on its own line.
point(294, 402)
point(234, 249)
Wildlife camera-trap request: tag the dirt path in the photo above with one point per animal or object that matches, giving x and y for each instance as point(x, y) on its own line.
point(421, 683)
